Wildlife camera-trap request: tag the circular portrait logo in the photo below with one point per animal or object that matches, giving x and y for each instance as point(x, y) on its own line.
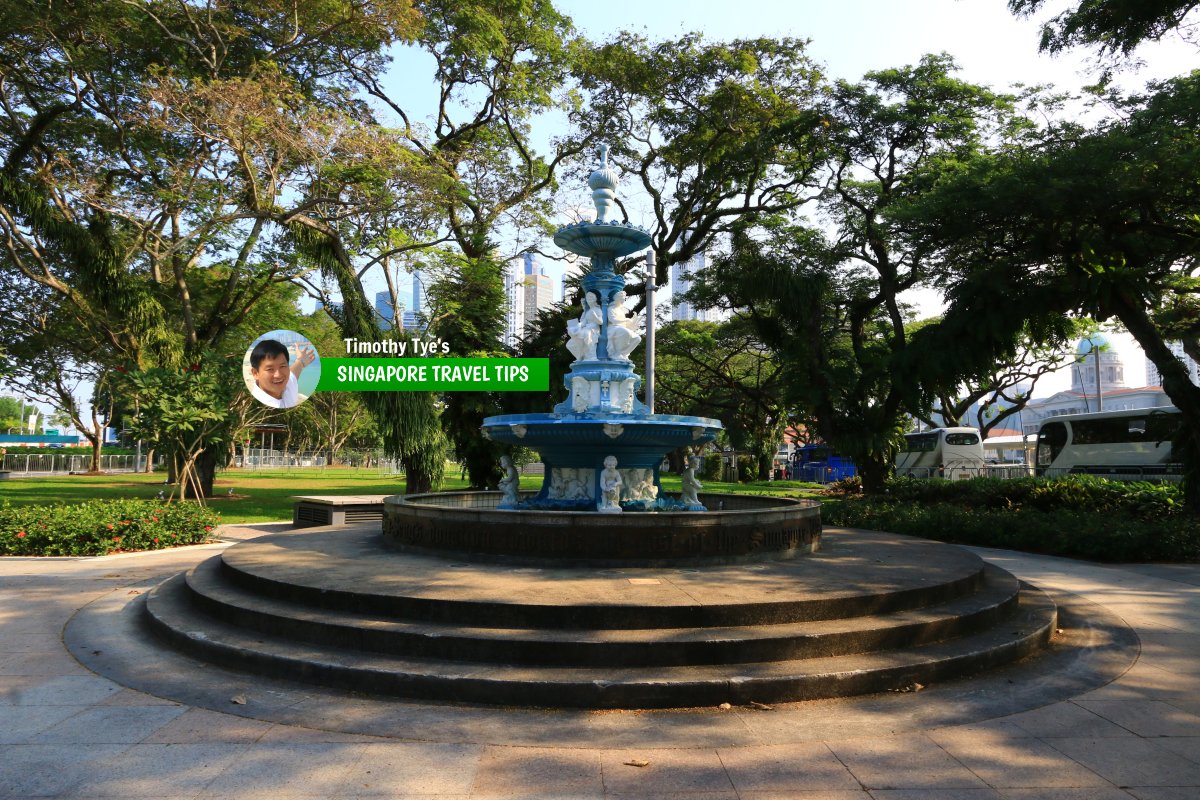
point(281, 369)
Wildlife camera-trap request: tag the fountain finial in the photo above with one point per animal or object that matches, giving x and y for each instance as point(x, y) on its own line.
point(603, 181)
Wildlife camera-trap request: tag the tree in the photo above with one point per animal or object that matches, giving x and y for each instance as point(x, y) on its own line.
point(1117, 27)
point(831, 305)
point(722, 370)
point(997, 390)
point(154, 153)
point(1097, 222)
point(716, 134)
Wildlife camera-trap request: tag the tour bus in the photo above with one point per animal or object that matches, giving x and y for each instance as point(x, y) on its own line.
point(952, 453)
point(1131, 444)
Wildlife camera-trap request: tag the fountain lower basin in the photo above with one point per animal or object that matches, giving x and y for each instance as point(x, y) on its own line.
point(736, 529)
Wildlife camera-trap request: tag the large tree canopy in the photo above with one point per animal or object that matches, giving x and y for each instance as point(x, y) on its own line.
point(1099, 222)
point(1117, 27)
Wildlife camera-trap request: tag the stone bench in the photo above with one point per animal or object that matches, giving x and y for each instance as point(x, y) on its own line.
point(313, 510)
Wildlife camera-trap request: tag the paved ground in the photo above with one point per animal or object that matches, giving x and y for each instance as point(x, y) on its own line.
point(67, 732)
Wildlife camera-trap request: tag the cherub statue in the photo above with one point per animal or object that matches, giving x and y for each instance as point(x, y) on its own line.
point(623, 337)
point(691, 485)
point(584, 332)
point(510, 484)
point(610, 487)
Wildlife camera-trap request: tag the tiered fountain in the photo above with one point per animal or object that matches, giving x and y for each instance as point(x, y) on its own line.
point(602, 449)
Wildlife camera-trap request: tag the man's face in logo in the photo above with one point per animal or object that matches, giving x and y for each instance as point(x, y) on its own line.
point(272, 375)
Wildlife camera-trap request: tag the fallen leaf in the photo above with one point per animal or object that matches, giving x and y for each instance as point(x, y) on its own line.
point(637, 762)
point(761, 706)
point(240, 699)
point(725, 706)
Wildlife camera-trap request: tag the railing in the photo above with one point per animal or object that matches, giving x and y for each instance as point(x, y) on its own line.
point(1158, 472)
point(20, 464)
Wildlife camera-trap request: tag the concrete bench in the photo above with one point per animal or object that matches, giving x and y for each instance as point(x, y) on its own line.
point(313, 510)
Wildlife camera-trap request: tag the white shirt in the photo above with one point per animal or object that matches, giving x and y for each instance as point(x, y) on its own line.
point(291, 394)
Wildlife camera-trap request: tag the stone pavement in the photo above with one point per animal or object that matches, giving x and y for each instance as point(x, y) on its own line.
point(67, 732)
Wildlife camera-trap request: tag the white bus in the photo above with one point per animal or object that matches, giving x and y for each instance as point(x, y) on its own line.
point(952, 453)
point(1130, 444)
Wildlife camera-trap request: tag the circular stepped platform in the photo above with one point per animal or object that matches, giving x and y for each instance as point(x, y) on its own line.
point(869, 612)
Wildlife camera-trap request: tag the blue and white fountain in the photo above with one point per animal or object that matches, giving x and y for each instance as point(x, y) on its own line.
point(602, 447)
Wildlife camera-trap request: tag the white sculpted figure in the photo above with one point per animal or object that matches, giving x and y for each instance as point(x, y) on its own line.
point(691, 484)
point(623, 337)
point(585, 332)
point(580, 394)
point(610, 487)
point(510, 484)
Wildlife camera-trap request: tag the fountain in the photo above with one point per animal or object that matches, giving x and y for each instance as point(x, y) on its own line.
point(602, 420)
point(601, 498)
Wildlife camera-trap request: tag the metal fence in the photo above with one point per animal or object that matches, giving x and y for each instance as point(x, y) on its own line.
point(55, 464)
point(1160, 472)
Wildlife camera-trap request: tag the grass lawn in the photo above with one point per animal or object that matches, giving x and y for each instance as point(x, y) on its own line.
point(266, 496)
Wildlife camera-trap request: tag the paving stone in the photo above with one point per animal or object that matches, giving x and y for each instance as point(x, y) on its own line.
point(666, 771)
point(904, 762)
point(1163, 793)
point(525, 771)
point(1066, 719)
point(34, 770)
point(1186, 746)
point(387, 770)
point(63, 690)
point(154, 770)
point(1004, 762)
point(18, 724)
point(934, 794)
point(1147, 717)
point(803, 766)
point(1132, 762)
point(109, 725)
point(288, 769)
point(1091, 793)
point(198, 725)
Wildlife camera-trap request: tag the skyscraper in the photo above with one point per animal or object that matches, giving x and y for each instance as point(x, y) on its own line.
point(1154, 376)
point(681, 283)
point(537, 289)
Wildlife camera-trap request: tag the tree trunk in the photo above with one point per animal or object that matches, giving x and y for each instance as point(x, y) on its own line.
point(97, 444)
point(874, 472)
point(1178, 386)
point(206, 471)
point(149, 461)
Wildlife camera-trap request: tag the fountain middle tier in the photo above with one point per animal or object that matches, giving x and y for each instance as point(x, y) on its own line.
point(574, 448)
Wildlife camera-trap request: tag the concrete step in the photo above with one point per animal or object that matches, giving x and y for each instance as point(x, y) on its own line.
point(172, 612)
point(227, 601)
point(851, 576)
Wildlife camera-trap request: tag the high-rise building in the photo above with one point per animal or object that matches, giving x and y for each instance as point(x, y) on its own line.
point(385, 310)
point(514, 295)
point(682, 273)
point(537, 289)
point(1154, 376)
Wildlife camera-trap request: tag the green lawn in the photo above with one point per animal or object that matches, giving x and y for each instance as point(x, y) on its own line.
point(265, 496)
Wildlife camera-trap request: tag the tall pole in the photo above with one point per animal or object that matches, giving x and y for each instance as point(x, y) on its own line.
point(651, 279)
point(1099, 393)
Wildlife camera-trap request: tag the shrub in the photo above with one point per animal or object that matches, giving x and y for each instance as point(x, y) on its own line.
point(103, 526)
point(711, 467)
point(1101, 535)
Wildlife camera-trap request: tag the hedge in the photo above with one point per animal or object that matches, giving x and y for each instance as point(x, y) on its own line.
point(100, 527)
point(1076, 516)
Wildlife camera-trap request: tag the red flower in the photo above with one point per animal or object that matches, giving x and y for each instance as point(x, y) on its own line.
point(121, 370)
point(208, 528)
point(154, 518)
point(116, 539)
point(156, 540)
point(20, 534)
point(109, 526)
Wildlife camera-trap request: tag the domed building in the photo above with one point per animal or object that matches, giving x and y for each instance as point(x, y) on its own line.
point(1083, 373)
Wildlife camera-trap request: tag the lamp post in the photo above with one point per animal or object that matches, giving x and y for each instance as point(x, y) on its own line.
point(651, 279)
point(1099, 392)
